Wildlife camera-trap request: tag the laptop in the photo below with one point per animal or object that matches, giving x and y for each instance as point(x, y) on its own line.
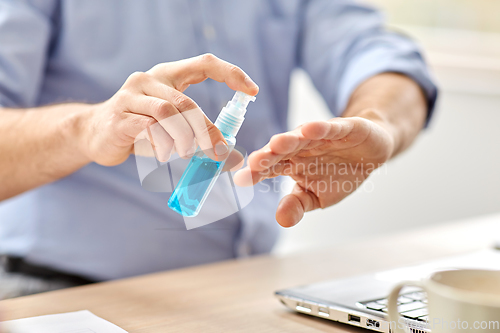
point(362, 300)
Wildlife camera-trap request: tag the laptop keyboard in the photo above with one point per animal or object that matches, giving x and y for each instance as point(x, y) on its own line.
point(412, 305)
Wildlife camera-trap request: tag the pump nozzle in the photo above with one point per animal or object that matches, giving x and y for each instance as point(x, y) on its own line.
point(241, 100)
point(232, 116)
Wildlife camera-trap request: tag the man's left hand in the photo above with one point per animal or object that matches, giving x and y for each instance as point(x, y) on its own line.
point(327, 159)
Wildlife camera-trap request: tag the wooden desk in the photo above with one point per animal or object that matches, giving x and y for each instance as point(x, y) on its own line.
point(237, 295)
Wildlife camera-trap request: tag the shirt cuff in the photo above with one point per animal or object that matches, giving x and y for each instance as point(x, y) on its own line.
point(383, 59)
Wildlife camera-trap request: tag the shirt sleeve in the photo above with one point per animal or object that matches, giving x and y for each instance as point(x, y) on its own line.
point(25, 34)
point(344, 43)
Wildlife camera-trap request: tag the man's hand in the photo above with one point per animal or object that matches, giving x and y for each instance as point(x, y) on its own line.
point(327, 159)
point(330, 159)
point(154, 101)
point(41, 145)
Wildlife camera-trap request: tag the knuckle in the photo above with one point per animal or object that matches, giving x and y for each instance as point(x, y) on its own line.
point(156, 68)
point(137, 78)
point(122, 96)
point(162, 109)
point(161, 69)
point(235, 71)
point(183, 103)
point(141, 122)
point(147, 122)
point(208, 57)
point(203, 62)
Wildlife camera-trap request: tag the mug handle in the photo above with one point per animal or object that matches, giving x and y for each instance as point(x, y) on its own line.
point(393, 304)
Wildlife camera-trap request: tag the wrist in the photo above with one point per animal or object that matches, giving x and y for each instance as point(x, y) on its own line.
point(75, 130)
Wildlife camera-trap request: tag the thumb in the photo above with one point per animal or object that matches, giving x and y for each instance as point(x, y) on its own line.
point(292, 207)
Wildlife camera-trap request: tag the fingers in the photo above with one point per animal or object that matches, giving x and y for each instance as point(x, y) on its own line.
point(195, 70)
point(166, 81)
point(234, 161)
point(292, 207)
point(161, 141)
point(267, 162)
point(325, 130)
point(156, 94)
point(207, 135)
point(281, 146)
point(249, 177)
point(134, 126)
point(138, 127)
point(169, 117)
point(305, 140)
point(284, 143)
point(245, 178)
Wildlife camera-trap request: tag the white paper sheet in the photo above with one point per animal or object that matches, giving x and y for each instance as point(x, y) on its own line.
point(72, 322)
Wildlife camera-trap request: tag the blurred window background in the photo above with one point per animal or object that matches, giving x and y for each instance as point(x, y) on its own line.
point(452, 171)
point(479, 15)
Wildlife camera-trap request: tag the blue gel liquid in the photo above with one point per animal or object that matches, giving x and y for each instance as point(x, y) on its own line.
point(202, 172)
point(195, 184)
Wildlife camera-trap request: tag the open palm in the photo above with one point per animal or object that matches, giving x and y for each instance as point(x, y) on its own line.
point(327, 159)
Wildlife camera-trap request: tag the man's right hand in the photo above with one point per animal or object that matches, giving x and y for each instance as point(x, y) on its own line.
point(109, 129)
point(43, 144)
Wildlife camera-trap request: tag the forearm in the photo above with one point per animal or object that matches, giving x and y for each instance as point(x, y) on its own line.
point(39, 146)
point(395, 102)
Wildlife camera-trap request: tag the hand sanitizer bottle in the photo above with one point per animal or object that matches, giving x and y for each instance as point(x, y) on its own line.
point(202, 172)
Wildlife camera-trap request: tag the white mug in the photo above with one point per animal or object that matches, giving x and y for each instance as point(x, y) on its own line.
point(458, 301)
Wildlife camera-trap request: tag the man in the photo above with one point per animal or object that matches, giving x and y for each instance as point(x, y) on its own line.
point(73, 210)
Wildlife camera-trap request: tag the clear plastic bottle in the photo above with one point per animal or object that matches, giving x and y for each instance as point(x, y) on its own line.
point(202, 172)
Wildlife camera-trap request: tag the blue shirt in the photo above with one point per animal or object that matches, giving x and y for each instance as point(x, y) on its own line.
point(99, 222)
